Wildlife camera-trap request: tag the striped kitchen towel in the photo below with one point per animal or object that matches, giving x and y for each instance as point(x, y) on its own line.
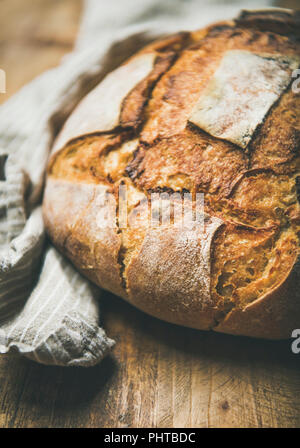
point(48, 312)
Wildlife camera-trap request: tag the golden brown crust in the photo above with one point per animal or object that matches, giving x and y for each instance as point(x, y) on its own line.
point(190, 166)
point(169, 268)
point(154, 125)
point(71, 213)
point(272, 316)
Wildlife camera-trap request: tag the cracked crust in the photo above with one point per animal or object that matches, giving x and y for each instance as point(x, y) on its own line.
point(238, 273)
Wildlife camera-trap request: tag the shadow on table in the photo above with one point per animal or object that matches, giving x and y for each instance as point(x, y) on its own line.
point(65, 388)
point(54, 393)
point(198, 343)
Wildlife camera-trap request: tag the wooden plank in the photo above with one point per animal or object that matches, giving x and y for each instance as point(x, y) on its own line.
point(159, 375)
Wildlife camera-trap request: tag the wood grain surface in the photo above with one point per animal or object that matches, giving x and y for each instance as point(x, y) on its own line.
point(159, 375)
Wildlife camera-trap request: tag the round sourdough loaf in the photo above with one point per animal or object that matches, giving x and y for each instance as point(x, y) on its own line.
point(217, 112)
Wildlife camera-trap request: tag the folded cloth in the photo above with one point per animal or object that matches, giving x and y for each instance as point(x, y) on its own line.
point(48, 312)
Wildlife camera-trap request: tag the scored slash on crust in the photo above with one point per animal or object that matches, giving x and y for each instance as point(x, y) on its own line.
point(238, 274)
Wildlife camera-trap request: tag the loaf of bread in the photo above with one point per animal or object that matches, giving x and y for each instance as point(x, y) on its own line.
point(213, 113)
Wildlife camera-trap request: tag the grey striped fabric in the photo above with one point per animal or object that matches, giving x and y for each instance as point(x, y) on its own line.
point(59, 322)
point(48, 312)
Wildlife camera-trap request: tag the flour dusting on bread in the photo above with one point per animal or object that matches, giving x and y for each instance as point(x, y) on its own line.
point(208, 113)
point(241, 92)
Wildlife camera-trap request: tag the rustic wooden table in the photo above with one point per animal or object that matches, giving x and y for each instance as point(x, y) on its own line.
point(159, 374)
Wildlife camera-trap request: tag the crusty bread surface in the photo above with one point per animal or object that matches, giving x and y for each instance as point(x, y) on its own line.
point(213, 111)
